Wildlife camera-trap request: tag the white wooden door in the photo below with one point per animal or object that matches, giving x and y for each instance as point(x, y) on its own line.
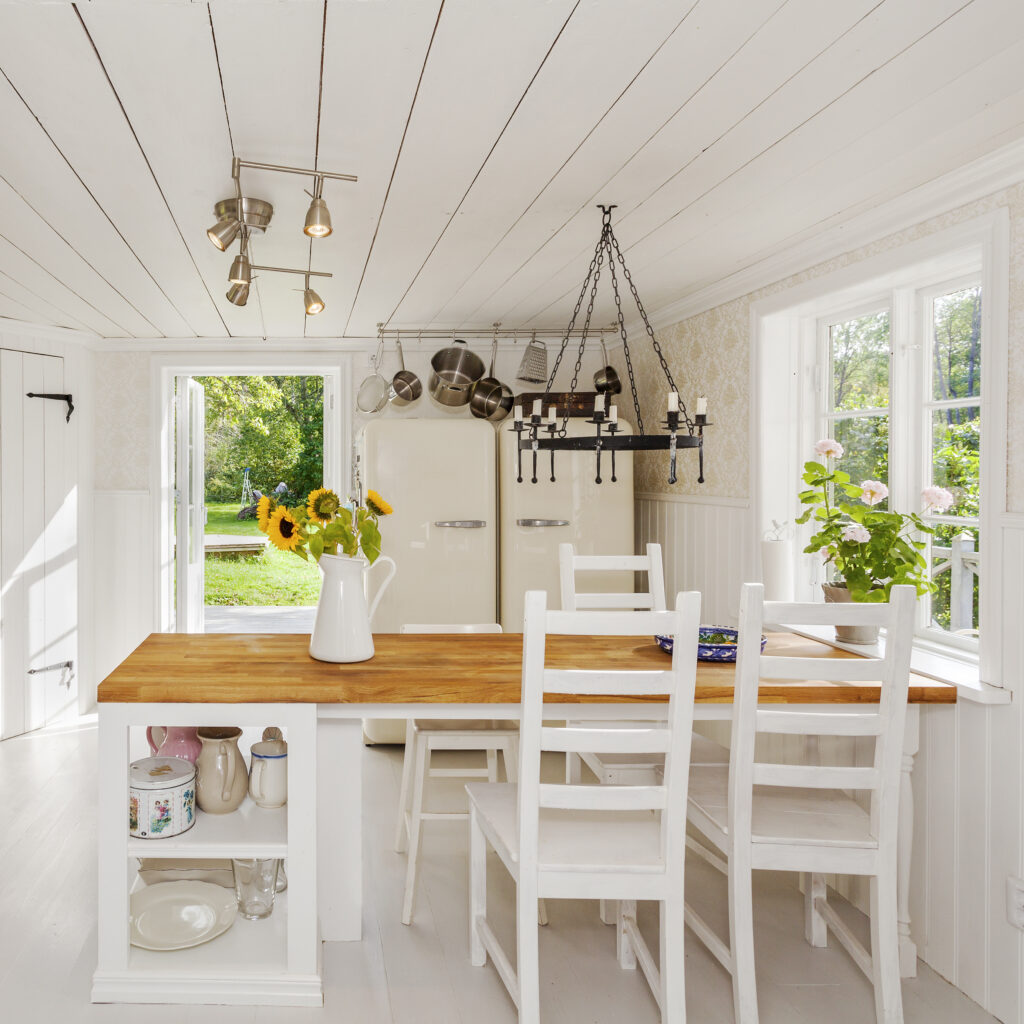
point(190, 517)
point(38, 545)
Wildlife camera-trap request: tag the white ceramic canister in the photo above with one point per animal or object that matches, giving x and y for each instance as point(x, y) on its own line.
point(161, 797)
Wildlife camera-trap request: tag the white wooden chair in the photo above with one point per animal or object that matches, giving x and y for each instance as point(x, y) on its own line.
point(622, 843)
point(617, 768)
point(425, 735)
point(802, 817)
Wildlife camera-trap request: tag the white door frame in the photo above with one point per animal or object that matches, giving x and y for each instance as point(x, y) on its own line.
point(335, 368)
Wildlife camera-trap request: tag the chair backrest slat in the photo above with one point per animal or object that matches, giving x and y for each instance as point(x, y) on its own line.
point(670, 737)
point(569, 564)
point(576, 739)
point(884, 722)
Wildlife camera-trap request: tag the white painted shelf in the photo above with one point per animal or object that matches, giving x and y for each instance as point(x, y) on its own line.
point(251, 831)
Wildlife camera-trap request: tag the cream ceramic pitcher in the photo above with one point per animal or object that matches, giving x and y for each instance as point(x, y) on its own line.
point(341, 632)
point(221, 778)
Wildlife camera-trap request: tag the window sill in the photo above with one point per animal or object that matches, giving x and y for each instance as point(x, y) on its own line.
point(960, 672)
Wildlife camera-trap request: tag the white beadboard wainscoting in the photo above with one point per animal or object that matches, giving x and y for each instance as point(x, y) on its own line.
point(123, 588)
point(968, 790)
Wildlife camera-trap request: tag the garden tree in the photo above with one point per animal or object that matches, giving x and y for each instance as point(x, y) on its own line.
point(272, 424)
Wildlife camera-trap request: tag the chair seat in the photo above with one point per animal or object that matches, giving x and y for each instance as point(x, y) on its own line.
point(465, 725)
point(785, 815)
point(571, 840)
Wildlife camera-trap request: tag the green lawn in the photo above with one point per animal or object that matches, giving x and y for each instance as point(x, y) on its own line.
point(275, 577)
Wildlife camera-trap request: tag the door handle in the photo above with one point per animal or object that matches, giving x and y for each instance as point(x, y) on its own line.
point(542, 522)
point(462, 524)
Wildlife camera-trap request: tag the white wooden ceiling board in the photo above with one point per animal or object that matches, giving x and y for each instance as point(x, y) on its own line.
point(270, 63)
point(33, 172)
point(563, 105)
point(794, 35)
point(707, 39)
point(77, 117)
point(12, 309)
point(152, 52)
point(374, 54)
point(39, 312)
point(34, 254)
point(924, 66)
point(949, 61)
point(470, 88)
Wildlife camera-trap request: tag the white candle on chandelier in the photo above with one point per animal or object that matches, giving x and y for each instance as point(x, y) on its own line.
point(598, 403)
point(613, 414)
point(702, 406)
point(552, 415)
point(673, 401)
point(537, 408)
point(517, 414)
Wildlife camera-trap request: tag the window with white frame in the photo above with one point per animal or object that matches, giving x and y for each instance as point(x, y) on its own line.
point(899, 386)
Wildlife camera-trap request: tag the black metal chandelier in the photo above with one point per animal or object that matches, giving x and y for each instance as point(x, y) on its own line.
point(682, 430)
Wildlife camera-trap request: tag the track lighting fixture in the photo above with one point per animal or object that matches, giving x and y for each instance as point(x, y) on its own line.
point(224, 232)
point(318, 220)
point(238, 294)
point(241, 272)
point(313, 303)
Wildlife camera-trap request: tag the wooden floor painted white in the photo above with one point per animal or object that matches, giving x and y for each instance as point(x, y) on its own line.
point(416, 975)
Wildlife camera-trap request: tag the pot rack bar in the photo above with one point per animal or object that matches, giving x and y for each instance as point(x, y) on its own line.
point(523, 333)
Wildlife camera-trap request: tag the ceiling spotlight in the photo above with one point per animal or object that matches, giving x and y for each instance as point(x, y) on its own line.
point(224, 232)
point(238, 294)
point(314, 304)
point(241, 272)
point(318, 219)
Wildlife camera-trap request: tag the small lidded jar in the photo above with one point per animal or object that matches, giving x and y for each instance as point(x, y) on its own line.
point(161, 797)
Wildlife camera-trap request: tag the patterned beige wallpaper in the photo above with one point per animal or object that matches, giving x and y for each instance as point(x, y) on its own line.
point(123, 415)
point(710, 352)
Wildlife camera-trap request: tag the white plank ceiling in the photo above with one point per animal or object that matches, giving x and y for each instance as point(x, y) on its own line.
point(483, 134)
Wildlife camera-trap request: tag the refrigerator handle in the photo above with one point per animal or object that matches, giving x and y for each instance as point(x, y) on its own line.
point(542, 522)
point(462, 524)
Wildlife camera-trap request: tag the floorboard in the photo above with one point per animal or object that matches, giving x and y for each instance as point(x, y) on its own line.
point(399, 975)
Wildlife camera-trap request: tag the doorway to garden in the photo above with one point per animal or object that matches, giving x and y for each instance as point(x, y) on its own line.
point(229, 439)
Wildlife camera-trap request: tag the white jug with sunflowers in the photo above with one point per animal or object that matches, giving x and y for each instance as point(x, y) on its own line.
point(341, 632)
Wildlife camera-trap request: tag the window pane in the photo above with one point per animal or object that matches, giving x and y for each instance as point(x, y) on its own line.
point(956, 345)
point(955, 451)
point(865, 440)
point(954, 564)
point(859, 355)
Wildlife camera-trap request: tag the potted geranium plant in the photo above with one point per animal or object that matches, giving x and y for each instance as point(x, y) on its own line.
point(345, 541)
point(869, 550)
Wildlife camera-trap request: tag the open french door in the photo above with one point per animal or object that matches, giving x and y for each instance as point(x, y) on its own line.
point(190, 505)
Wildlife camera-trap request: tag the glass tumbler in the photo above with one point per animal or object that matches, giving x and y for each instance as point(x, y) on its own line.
point(255, 884)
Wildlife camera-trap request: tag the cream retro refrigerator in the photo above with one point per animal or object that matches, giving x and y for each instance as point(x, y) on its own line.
point(537, 517)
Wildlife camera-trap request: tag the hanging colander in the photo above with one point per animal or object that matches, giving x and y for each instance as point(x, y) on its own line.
point(534, 367)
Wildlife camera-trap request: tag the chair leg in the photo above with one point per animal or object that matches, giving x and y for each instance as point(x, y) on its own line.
point(528, 958)
point(510, 754)
point(573, 769)
point(402, 824)
point(422, 754)
point(477, 889)
point(542, 913)
point(623, 943)
point(885, 959)
point(492, 764)
point(673, 962)
point(741, 934)
point(608, 913)
point(815, 928)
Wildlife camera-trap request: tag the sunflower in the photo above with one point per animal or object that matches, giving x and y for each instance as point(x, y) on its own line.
point(284, 532)
point(377, 505)
point(264, 507)
point(322, 505)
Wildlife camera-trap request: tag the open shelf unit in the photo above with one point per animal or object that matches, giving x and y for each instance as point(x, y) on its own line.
point(275, 961)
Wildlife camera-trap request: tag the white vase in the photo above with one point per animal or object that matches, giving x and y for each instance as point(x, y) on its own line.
point(341, 632)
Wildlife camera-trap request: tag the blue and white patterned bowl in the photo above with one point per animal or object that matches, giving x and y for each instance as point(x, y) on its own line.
point(714, 643)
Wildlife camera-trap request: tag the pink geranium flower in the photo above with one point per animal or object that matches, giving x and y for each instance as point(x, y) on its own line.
point(828, 449)
point(936, 499)
point(873, 491)
point(856, 534)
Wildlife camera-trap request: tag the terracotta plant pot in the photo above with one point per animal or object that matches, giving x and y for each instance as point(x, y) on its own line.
point(835, 592)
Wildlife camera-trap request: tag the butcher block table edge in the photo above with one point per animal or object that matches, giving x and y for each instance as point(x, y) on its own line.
point(269, 668)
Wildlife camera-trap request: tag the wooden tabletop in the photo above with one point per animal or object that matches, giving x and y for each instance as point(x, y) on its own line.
point(475, 668)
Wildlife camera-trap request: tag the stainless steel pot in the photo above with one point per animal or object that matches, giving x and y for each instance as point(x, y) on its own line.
point(490, 399)
point(453, 372)
point(606, 380)
point(405, 385)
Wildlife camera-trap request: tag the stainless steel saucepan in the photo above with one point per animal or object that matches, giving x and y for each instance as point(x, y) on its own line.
point(489, 398)
point(606, 380)
point(405, 385)
point(453, 371)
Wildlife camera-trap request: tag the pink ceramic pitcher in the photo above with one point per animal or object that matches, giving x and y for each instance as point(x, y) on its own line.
point(174, 741)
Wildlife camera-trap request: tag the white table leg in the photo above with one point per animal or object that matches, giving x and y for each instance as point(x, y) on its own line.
point(905, 843)
point(340, 828)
